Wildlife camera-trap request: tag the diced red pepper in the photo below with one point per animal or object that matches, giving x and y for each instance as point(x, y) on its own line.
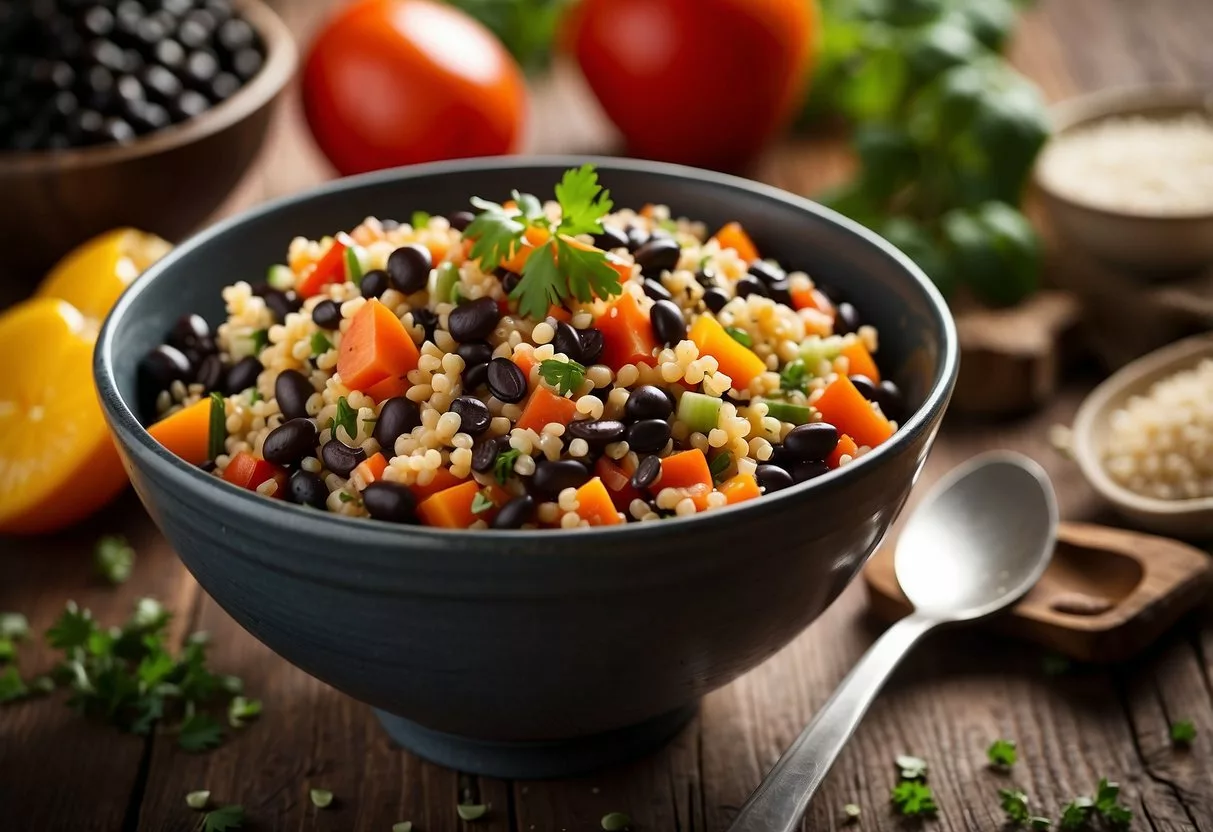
point(247, 471)
point(618, 483)
point(329, 269)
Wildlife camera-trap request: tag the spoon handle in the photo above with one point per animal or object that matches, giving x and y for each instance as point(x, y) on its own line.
point(783, 795)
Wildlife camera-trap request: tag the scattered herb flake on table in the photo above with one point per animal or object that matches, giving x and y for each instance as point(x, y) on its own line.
point(1183, 732)
point(1002, 753)
point(616, 822)
point(471, 811)
point(911, 768)
point(321, 798)
point(1015, 804)
point(114, 558)
point(240, 709)
point(403, 826)
point(200, 732)
point(913, 798)
point(223, 819)
point(198, 799)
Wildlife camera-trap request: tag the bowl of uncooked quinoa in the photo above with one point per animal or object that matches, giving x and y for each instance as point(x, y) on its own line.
point(1128, 177)
point(1144, 439)
point(528, 454)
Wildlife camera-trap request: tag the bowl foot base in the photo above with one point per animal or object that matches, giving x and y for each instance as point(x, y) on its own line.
point(535, 760)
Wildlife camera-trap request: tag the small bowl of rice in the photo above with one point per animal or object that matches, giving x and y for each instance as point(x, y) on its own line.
point(1144, 439)
point(1128, 178)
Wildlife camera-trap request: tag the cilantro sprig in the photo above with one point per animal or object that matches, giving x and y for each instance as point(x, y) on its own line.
point(914, 798)
point(556, 269)
point(503, 466)
point(565, 376)
point(1183, 732)
point(1002, 754)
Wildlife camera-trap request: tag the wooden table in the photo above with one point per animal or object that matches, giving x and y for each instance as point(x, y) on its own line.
point(956, 694)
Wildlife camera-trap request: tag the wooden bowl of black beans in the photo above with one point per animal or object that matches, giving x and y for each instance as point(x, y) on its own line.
point(142, 113)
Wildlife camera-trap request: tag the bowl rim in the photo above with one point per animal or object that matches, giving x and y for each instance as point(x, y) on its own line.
point(1080, 111)
point(1155, 366)
point(281, 60)
point(326, 524)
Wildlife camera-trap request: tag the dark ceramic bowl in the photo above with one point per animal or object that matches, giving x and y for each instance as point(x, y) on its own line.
point(547, 652)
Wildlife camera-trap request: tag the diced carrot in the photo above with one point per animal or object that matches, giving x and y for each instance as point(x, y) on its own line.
point(526, 362)
point(845, 408)
point(389, 388)
point(560, 313)
point(734, 236)
point(329, 269)
point(247, 471)
point(533, 238)
point(688, 472)
point(647, 210)
point(186, 432)
point(594, 504)
point(739, 488)
point(545, 407)
point(846, 445)
point(371, 469)
point(439, 249)
point(443, 479)
point(376, 348)
point(736, 361)
point(450, 508)
point(627, 334)
point(624, 270)
point(860, 361)
point(618, 483)
point(812, 298)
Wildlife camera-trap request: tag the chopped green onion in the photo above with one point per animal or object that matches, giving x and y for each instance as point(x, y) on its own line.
point(740, 336)
point(320, 344)
point(321, 798)
point(796, 414)
point(471, 811)
point(503, 466)
point(281, 278)
point(261, 339)
point(420, 219)
point(353, 266)
point(198, 800)
point(719, 465)
point(698, 411)
point(218, 427)
point(815, 349)
point(444, 280)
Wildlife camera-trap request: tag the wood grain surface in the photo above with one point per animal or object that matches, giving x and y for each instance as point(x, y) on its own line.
point(956, 693)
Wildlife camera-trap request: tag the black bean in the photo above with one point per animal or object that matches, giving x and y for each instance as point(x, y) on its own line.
point(846, 319)
point(193, 33)
point(474, 415)
point(715, 299)
point(507, 381)
point(658, 255)
point(515, 513)
point(327, 315)
point(601, 393)
point(808, 469)
point(282, 303)
point(236, 34)
point(749, 285)
point(648, 402)
point(637, 237)
point(765, 272)
point(340, 458)
point(166, 364)
point(647, 472)
point(189, 104)
point(290, 442)
point(781, 292)
point(474, 320)
point(374, 283)
point(208, 466)
point(210, 373)
point(460, 220)
point(475, 377)
point(591, 344)
point(648, 436)
point(892, 403)
point(306, 489)
point(390, 502)
point(655, 290)
point(427, 320)
point(706, 279)
point(191, 332)
point(397, 417)
point(597, 433)
point(117, 130)
point(485, 455)
point(292, 390)
point(169, 53)
point(223, 87)
point(129, 89)
point(509, 280)
point(408, 268)
point(146, 116)
point(668, 324)
point(772, 478)
point(161, 83)
point(473, 353)
point(242, 375)
point(611, 238)
point(200, 69)
point(567, 341)
point(865, 386)
point(552, 477)
point(813, 441)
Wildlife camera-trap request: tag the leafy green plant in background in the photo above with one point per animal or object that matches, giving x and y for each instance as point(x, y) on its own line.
point(526, 27)
point(945, 132)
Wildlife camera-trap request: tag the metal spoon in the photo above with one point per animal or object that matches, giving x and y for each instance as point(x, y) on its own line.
point(979, 541)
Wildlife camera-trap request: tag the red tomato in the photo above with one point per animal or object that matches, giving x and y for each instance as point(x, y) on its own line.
point(395, 82)
point(702, 82)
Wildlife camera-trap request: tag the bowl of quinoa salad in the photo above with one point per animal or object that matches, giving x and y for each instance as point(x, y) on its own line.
point(491, 413)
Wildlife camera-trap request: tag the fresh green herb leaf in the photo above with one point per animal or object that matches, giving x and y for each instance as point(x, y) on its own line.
point(223, 819)
point(503, 465)
point(851, 813)
point(346, 497)
point(583, 202)
point(1107, 803)
point(911, 768)
point(280, 277)
point(1002, 753)
point(12, 687)
point(346, 418)
point(495, 233)
point(149, 616)
point(403, 826)
point(241, 709)
point(114, 558)
point(616, 822)
point(1015, 804)
point(217, 432)
point(199, 733)
point(1039, 823)
point(913, 798)
point(481, 503)
point(198, 799)
point(1183, 731)
point(719, 465)
point(1118, 817)
point(353, 266)
point(320, 344)
point(589, 273)
point(14, 625)
point(254, 395)
point(261, 339)
point(321, 798)
point(420, 219)
point(8, 650)
point(1076, 813)
point(529, 206)
point(471, 811)
point(794, 376)
point(72, 629)
point(565, 376)
point(740, 336)
point(542, 283)
point(41, 685)
point(231, 684)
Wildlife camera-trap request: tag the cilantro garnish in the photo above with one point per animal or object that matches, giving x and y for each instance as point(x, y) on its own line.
point(503, 466)
point(261, 339)
point(1002, 753)
point(346, 418)
point(719, 464)
point(320, 344)
point(583, 202)
point(740, 336)
point(223, 819)
point(481, 503)
point(114, 558)
point(794, 376)
point(1039, 823)
point(1076, 813)
point(1015, 804)
point(217, 433)
point(565, 376)
point(913, 798)
point(1107, 803)
point(200, 732)
point(495, 232)
point(1182, 731)
point(240, 709)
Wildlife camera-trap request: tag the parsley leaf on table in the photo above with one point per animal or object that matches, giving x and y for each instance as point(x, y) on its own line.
point(199, 733)
point(1183, 732)
point(565, 376)
point(223, 819)
point(1039, 823)
point(583, 202)
point(1002, 753)
point(1107, 803)
point(114, 558)
point(1015, 804)
point(1076, 813)
point(914, 798)
point(12, 687)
